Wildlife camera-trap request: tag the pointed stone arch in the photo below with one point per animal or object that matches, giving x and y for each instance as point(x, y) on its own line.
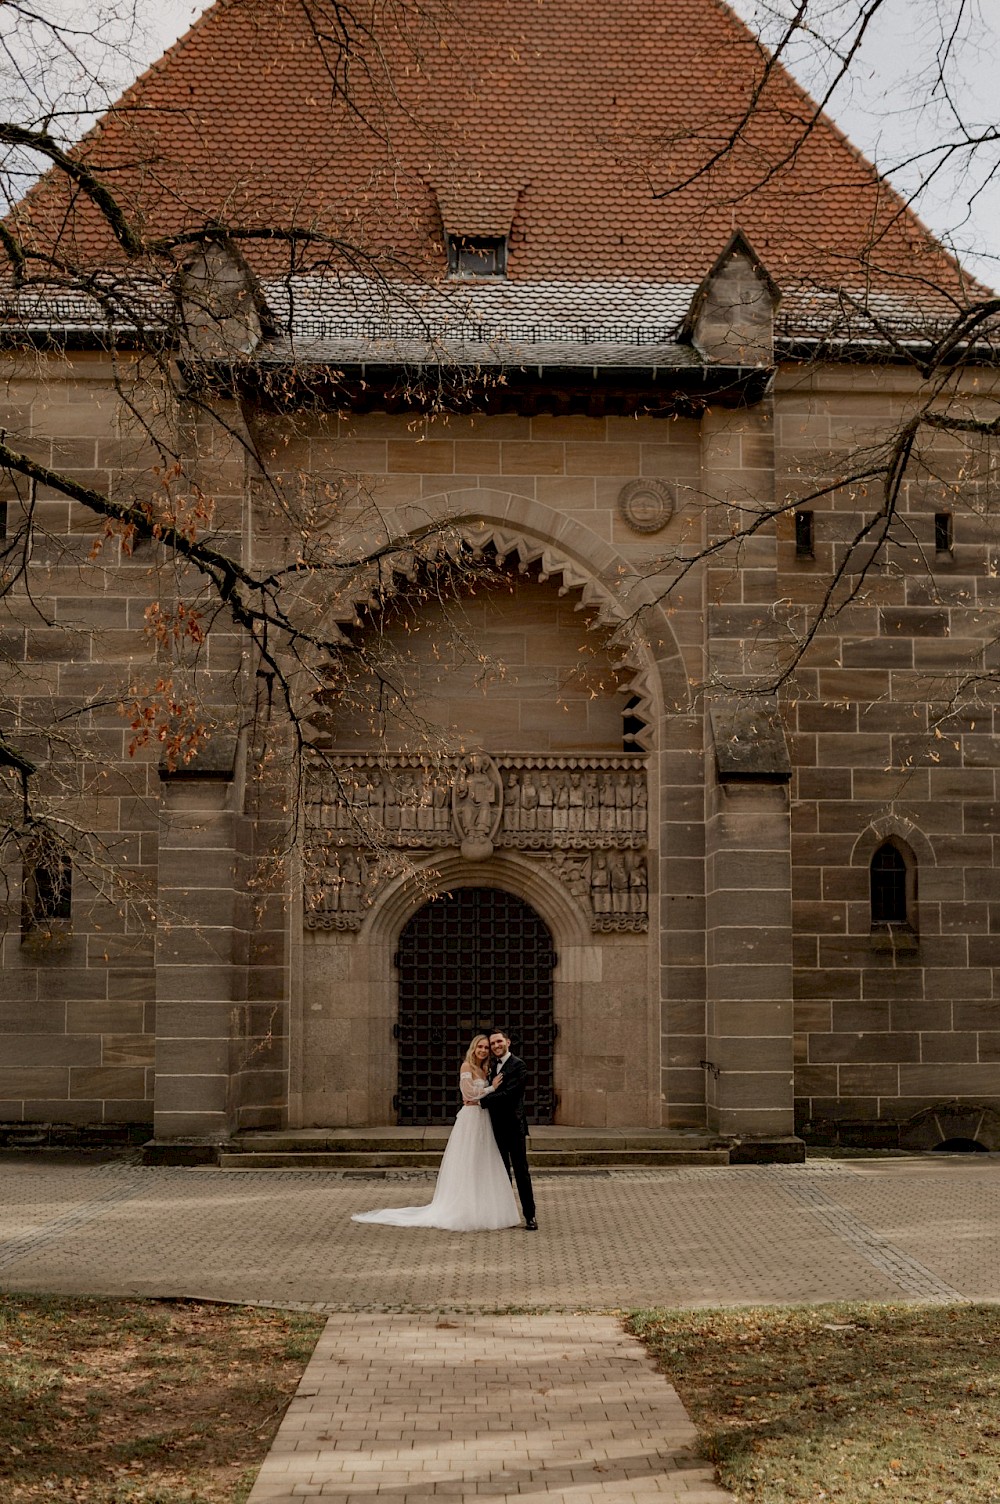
point(519, 529)
point(887, 828)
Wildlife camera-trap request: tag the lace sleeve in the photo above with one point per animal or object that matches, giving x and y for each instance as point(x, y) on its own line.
point(472, 1087)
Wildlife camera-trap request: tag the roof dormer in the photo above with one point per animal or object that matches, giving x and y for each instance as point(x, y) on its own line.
point(477, 213)
point(731, 318)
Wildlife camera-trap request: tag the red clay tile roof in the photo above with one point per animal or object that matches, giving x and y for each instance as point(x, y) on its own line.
point(575, 113)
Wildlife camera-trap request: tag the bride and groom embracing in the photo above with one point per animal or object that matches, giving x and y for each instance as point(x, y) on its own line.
point(485, 1148)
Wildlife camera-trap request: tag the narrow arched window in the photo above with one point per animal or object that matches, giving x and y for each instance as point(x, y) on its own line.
point(889, 886)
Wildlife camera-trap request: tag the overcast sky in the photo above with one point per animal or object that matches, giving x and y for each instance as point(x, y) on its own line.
point(888, 108)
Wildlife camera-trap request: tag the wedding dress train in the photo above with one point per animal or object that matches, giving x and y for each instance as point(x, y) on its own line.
point(473, 1192)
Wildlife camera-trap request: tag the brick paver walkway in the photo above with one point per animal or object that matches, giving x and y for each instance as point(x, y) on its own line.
point(565, 1408)
point(409, 1393)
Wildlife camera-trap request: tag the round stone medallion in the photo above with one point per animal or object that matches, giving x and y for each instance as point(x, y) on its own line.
point(646, 505)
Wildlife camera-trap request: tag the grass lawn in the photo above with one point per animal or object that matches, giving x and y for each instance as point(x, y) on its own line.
point(118, 1401)
point(848, 1403)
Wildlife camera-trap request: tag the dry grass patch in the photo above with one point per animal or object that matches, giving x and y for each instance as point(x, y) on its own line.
point(847, 1403)
point(138, 1402)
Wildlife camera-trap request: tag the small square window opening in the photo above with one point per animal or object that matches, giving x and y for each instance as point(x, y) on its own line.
point(477, 255)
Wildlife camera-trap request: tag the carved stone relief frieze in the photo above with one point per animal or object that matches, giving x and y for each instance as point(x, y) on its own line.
point(586, 817)
point(338, 888)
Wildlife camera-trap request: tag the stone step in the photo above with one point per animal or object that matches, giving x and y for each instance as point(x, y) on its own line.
point(545, 1139)
point(545, 1160)
point(364, 1150)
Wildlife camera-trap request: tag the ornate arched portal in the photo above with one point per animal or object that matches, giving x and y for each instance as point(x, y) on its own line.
point(557, 752)
point(469, 959)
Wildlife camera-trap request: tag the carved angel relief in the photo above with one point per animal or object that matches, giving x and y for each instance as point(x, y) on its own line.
point(587, 817)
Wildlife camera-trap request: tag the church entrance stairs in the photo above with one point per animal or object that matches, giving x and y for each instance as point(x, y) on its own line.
point(362, 1151)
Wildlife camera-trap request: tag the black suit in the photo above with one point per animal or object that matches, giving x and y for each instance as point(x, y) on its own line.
point(505, 1105)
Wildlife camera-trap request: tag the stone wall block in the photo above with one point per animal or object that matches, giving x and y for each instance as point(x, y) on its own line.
point(100, 1018)
point(29, 1016)
point(863, 1048)
point(103, 1082)
point(50, 1082)
point(939, 1082)
point(815, 1081)
point(858, 1017)
point(949, 1046)
point(44, 1050)
point(868, 1080)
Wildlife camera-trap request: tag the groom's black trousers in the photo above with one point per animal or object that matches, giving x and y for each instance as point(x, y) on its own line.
point(514, 1152)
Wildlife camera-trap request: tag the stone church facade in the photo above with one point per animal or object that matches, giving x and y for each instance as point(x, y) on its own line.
point(721, 879)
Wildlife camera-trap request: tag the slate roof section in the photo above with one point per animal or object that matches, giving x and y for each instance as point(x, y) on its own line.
point(573, 116)
point(608, 322)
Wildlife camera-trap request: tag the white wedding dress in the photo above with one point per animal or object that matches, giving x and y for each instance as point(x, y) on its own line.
point(473, 1193)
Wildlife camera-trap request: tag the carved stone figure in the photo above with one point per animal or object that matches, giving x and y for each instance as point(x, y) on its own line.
point(391, 805)
point(512, 803)
point(560, 807)
point(623, 802)
point(529, 802)
point(376, 797)
point(575, 798)
point(600, 884)
point(591, 810)
point(425, 806)
point(477, 801)
point(350, 876)
point(329, 901)
point(606, 800)
point(637, 883)
point(573, 871)
point(546, 799)
point(619, 883)
point(407, 802)
point(640, 802)
point(442, 811)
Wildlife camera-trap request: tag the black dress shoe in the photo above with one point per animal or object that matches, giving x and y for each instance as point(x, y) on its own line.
point(531, 1224)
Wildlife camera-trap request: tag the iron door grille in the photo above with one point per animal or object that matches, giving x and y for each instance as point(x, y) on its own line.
point(474, 957)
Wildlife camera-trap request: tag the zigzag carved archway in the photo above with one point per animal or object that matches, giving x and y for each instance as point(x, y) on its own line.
point(372, 589)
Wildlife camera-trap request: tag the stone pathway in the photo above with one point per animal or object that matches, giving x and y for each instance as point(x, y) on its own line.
point(408, 1408)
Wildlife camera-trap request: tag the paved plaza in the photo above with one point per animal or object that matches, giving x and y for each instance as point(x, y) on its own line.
point(890, 1229)
point(502, 1370)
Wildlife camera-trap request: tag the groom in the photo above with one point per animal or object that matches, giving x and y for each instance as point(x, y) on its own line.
point(505, 1105)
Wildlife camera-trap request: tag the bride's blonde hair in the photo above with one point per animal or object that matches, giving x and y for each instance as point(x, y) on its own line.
point(470, 1054)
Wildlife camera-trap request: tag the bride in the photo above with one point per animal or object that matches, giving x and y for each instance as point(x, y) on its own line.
point(473, 1191)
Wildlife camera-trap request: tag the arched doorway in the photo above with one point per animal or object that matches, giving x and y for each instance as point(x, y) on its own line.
point(470, 958)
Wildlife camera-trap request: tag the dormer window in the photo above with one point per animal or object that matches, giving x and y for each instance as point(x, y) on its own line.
point(477, 255)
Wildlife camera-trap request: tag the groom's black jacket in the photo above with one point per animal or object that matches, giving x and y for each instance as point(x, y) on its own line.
point(505, 1103)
